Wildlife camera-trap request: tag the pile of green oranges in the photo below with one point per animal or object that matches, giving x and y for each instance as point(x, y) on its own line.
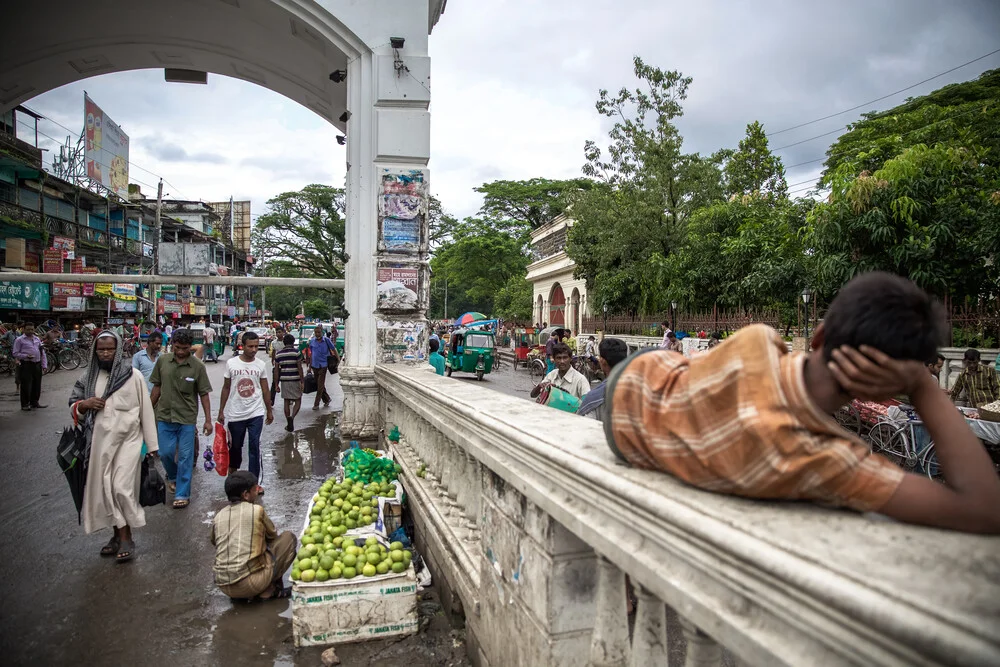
point(347, 558)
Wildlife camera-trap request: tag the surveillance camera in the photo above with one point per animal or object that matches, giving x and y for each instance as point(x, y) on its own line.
point(396, 42)
point(342, 140)
point(346, 116)
point(338, 75)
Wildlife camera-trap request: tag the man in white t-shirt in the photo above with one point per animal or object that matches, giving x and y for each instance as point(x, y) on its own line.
point(246, 399)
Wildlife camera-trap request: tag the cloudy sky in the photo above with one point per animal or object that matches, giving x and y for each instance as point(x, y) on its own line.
point(514, 84)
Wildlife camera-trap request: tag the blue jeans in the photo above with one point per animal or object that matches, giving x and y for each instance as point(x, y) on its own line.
point(237, 432)
point(177, 439)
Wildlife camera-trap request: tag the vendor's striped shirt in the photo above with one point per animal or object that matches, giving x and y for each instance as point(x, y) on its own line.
point(981, 385)
point(240, 534)
point(738, 420)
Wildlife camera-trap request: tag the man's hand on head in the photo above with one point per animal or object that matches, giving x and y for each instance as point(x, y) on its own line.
point(870, 374)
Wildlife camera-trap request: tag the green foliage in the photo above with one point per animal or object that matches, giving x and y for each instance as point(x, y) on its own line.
point(930, 214)
point(961, 114)
point(646, 190)
point(478, 261)
point(752, 168)
point(528, 204)
point(318, 308)
point(513, 301)
point(305, 228)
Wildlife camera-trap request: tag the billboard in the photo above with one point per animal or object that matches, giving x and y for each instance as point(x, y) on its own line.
point(106, 150)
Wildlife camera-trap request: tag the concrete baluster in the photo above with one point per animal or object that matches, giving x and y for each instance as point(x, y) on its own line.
point(702, 651)
point(474, 485)
point(609, 644)
point(649, 638)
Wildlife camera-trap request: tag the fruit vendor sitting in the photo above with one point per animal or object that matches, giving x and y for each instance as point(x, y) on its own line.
point(250, 556)
point(751, 419)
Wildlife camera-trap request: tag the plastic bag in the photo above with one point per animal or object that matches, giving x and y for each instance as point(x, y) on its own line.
point(220, 450)
point(363, 467)
point(152, 488)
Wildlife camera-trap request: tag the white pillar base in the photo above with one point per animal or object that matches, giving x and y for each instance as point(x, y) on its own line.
point(360, 418)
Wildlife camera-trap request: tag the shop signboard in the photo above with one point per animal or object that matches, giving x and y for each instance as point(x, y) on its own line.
point(123, 291)
point(31, 262)
point(24, 296)
point(123, 306)
point(90, 289)
point(52, 260)
point(66, 289)
point(68, 303)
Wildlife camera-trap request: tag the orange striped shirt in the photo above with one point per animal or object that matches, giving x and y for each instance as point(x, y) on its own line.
point(738, 420)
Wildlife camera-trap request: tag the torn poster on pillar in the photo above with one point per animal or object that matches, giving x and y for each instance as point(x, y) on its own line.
point(397, 288)
point(401, 341)
point(402, 210)
point(404, 207)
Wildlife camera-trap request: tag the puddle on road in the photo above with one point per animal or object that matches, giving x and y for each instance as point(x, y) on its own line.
point(310, 451)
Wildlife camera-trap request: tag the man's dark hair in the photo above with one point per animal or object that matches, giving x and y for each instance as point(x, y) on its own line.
point(972, 355)
point(561, 348)
point(940, 357)
point(613, 351)
point(886, 312)
point(288, 339)
point(433, 344)
point(182, 337)
point(238, 483)
point(249, 336)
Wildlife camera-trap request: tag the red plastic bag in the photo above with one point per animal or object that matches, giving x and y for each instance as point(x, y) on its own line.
point(220, 450)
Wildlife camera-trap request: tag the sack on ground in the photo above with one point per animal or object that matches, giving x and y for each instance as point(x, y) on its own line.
point(220, 450)
point(310, 384)
point(152, 488)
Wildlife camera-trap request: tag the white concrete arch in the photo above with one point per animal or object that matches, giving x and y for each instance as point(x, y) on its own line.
point(290, 47)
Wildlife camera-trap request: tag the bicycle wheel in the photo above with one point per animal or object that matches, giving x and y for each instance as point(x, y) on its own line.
point(68, 359)
point(849, 418)
point(890, 441)
point(83, 354)
point(929, 464)
point(51, 363)
point(537, 369)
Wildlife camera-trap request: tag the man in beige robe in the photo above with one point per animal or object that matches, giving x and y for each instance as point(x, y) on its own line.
point(111, 399)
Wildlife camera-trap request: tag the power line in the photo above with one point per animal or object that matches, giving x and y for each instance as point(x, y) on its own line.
point(879, 99)
point(804, 141)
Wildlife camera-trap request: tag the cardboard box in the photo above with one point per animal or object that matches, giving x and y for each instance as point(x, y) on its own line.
point(341, 611)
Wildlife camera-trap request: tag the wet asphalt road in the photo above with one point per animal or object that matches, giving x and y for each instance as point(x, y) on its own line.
point(63, 604)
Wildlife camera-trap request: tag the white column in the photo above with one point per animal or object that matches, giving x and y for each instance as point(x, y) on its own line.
point(388, 129)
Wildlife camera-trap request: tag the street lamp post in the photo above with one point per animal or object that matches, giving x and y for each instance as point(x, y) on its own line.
point(605, 309)
point(673, 315)
point(806, 294)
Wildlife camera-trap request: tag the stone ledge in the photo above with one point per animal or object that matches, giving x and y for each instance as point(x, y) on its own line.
point(776, 583)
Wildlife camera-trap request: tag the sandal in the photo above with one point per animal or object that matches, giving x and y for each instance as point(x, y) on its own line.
point(126, 552)
point(111, 548)
point(171, 486)
point(181, 503)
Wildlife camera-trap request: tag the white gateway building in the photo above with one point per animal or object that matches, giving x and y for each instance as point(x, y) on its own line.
point(559, 297)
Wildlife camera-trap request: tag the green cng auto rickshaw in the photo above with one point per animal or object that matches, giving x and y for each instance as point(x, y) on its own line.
point(469, 351)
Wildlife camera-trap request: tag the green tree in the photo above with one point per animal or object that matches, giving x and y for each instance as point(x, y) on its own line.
point(645, 192)
point(528, 204)
point(317, 308)
point(957, 115)
point(930, 214)
point(305, 229)
point(477, 262)
point(753, 168)
point(513, 301)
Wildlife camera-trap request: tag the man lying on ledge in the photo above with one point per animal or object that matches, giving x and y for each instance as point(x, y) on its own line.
point(751, 419)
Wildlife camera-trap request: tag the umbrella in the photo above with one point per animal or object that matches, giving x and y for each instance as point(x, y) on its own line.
point(468, 318)
point(70, 455)
point(300, 317)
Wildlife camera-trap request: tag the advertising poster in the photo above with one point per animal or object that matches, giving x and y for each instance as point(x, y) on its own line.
point(66, 289)
point(24, 296)
point(106, 150)
point(52, 260)
point(400, 342)
point(64, 243)
point(397, 288)
point(402, 208)
point(89, 289)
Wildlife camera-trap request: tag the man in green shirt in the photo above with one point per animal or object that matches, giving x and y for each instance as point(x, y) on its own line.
point(437, 361)
point(179, 379)
point(978, 380)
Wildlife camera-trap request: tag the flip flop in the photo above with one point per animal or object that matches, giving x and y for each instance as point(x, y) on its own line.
point(111, 548)
point(171, 486)
point(126, 551)
point(181, 503)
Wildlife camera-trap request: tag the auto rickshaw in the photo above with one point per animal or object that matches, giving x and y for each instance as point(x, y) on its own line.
point(470, 351)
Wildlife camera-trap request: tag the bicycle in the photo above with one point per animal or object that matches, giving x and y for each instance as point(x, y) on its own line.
point(536, 368)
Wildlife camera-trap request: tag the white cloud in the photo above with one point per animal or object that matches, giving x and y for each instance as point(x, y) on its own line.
point(515, 83)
